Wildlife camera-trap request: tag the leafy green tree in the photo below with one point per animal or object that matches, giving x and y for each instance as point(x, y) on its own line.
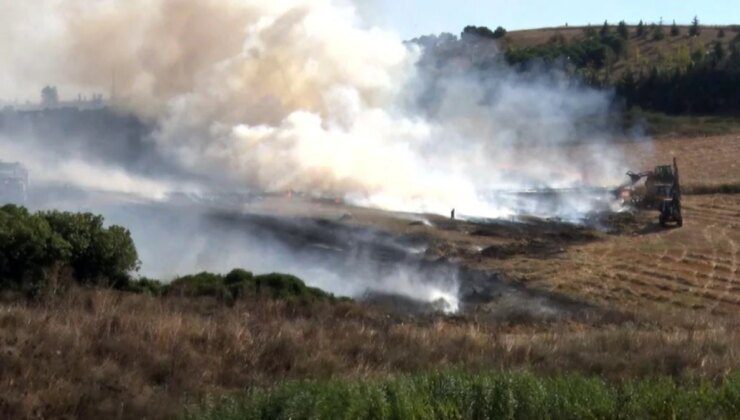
point(674, 29)
point(99, 254)
point(28, 247)
point(622, 30)
point(33, 244)
point(473, 33)
point(695, 30)
point(500, 32)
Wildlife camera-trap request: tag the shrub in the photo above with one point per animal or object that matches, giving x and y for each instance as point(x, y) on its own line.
point(237, 276)
point(241, 283)
point(281, 286)
point(147, 286)
point(201, 284)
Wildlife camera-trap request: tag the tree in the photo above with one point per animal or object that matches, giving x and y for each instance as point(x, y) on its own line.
point(721, 33)
point(28, 247)
point(674, 29)
point(589, 31)
point(472, 33)
point(622, 30)
point(718, 52)
point(658, 33)
point(640, 29)
point(604, 29)
point(695, 30)
point(49, 96)
point(98, 254)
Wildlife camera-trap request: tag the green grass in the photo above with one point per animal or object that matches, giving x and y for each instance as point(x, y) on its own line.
point(480, 396)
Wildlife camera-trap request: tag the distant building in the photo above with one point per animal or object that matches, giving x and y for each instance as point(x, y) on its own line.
point(50, 100)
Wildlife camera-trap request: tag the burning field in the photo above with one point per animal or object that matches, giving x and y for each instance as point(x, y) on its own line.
point(457, 213)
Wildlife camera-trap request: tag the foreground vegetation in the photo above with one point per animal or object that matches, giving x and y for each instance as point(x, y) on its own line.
point(481, 396)
point(92, 353)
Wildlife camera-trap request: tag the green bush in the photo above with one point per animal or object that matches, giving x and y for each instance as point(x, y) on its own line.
point(240, 283)
point(281, 286)
point(147, 286)
point(237, 276)
point(479, 396)
point(201, 284)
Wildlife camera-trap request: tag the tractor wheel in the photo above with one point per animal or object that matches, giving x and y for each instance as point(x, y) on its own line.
point(662, 221)
point(677, 213)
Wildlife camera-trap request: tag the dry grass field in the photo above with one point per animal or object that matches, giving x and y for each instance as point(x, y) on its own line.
point(104, 354)
point(703, 161)
point(692, 268)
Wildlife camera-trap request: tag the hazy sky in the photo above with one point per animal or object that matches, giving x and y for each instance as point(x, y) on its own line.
point(420, 17)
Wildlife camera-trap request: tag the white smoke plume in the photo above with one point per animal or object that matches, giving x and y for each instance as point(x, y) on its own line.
point(299, 95)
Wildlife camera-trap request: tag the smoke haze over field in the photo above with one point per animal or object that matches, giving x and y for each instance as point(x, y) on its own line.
point(235, 96)
point(300, 95)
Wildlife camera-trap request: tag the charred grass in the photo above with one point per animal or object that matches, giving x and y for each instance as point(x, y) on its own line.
point(98, 353)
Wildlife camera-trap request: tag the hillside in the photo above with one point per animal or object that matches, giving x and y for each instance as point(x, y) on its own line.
point(643, 52)
point(677, 70)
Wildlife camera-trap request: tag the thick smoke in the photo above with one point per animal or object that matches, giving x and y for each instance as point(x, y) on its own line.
point(298, 96)
point(292, 95)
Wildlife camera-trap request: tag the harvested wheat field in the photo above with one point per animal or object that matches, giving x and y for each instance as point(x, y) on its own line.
point(695, 267)
point(705, 162)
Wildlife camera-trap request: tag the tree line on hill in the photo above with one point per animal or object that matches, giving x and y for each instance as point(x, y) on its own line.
point(704, 80)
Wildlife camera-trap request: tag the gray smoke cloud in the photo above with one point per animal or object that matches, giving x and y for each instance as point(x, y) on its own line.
point(300, 95)
point(296, 95)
